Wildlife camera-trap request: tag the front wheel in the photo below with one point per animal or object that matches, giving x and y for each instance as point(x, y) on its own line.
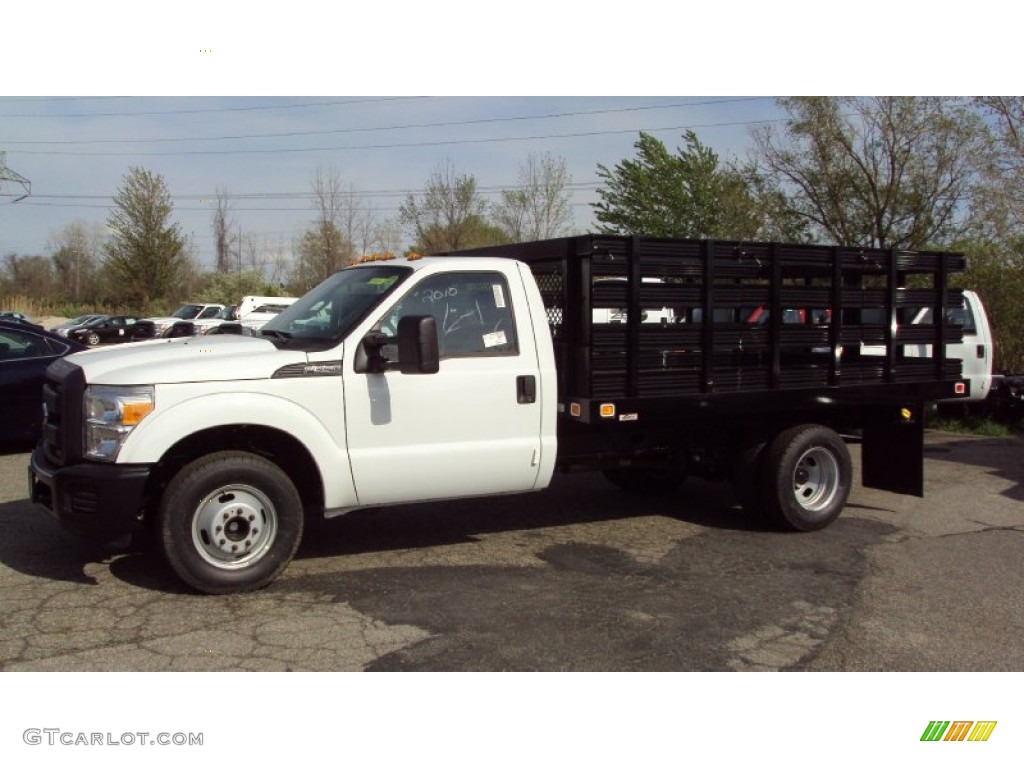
point(92, 339)
point(230, 522)
point(806, 478)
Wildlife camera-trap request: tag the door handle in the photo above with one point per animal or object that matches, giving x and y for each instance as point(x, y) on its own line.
point(526, 389)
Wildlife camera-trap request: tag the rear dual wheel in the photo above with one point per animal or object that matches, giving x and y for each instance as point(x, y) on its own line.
point(805, 478)
point(799, 480)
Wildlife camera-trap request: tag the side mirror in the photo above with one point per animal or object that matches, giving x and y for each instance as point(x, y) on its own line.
point(417, 344)
point(417, 348)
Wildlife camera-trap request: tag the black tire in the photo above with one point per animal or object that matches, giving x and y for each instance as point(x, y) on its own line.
point(646, 481)
point(229, 522)
point(806, 478)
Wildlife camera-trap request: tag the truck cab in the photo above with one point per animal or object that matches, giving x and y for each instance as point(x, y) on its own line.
point(388, 383)
point(481, 423)
point(975, 347)
point(976, 350)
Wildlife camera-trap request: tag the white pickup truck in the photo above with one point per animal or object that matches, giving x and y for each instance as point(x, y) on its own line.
point(472, 375)
point(186, 312)
point(975, 349)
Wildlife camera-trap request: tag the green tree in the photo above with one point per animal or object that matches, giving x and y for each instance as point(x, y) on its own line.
point(887, 172)
point(475, 232)
point(996, 271)
point(998, 204)
point(685, 194)
point(27, 276)
point(322, 251)
point(229, 287)
point(76, 249)
point(147, 253)
point(449, 213)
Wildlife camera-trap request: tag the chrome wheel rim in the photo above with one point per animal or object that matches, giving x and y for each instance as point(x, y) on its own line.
point(816, 479)
point(234, 526)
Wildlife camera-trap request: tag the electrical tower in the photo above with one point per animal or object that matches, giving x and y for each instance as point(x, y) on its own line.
point(12, 184)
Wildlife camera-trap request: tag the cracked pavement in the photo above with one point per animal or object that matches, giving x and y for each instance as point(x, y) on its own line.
point(580, 577)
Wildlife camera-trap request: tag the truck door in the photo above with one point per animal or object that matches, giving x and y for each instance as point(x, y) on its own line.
point(471, 429)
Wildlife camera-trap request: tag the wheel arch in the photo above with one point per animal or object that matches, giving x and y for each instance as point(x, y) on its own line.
point(309, 447)
point(275, 445)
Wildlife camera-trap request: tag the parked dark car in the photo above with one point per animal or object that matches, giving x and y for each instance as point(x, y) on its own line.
point(113, 329)
point(18, 317)
point(75, 322)
point(25, 352)
point(179, 329)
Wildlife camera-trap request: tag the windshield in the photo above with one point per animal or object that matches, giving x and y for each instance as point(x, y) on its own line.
point(330, 310)
point(187, 311)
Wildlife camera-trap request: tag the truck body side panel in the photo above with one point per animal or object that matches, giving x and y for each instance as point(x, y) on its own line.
point(665, 343)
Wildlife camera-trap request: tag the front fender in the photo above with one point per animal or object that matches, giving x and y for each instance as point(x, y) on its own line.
point(323, 437)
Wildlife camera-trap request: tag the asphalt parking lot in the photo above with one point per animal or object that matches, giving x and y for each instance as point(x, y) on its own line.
point(580, 577)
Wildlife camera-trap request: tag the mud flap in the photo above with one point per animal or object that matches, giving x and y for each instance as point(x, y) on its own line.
point(892, 455)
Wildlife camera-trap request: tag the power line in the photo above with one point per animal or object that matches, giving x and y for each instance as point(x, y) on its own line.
point(401, 145)
point(42, 99)
point(211, 110)
point(483, 189)
point(444, 124)
point(210, 210)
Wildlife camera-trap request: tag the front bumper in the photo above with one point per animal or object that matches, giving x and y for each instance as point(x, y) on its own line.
point(89, 498)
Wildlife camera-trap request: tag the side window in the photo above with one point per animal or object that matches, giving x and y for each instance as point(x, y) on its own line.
point(15, 345)
point(472, 311)
point(963, 317)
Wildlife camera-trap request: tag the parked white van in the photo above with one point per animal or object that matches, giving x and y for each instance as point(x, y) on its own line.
point(254, 311)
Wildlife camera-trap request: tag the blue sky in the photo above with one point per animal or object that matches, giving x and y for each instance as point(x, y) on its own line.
point(75, 151)
point(201, 78)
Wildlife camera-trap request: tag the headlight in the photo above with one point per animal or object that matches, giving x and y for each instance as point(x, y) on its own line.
point(111, 413)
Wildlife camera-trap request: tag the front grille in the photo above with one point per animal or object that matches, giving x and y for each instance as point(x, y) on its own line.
point(63, 390)
point(52, 413)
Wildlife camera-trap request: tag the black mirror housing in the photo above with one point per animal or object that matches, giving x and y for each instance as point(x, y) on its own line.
point(417, 348)
point(417, 344)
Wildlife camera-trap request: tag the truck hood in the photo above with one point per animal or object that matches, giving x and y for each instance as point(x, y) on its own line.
point(193, 358)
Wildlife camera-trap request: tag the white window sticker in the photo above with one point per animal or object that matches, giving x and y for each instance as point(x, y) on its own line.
point(499, 298)
point(494, 339)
